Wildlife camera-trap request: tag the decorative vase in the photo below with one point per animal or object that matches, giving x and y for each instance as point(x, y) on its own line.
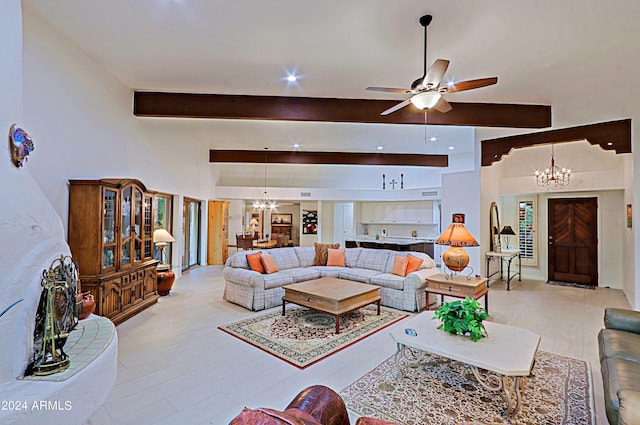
point(88, 305)
point(165, 282)
point(455, 258)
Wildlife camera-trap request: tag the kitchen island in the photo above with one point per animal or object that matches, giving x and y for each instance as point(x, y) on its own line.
point(397, 244)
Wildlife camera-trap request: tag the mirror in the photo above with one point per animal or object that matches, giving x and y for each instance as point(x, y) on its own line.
point(494, 231)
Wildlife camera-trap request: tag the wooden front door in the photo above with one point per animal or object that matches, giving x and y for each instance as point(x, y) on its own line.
point(573, 240)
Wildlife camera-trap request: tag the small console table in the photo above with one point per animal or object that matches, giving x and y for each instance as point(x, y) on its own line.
point(504, 257)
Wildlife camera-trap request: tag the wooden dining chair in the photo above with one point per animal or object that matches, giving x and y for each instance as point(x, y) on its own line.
point(244, 241)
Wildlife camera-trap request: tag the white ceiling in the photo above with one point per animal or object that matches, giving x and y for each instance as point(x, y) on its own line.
point(541, 50)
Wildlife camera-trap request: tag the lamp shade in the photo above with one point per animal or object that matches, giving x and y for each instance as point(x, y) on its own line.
point(162, 235)
point(426, 100)
point(507, 230)
point(456, 234)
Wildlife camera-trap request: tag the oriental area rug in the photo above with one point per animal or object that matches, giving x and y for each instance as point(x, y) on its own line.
point(303, 336)
point(436, 390)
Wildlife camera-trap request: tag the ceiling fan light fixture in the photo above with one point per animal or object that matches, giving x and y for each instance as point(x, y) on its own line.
point(426, 100)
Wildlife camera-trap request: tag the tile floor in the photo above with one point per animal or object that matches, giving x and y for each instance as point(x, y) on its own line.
point(176, 367)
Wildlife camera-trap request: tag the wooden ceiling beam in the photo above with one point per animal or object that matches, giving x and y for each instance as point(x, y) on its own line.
point(612, 135)
point(222, 106)
point(343, 158)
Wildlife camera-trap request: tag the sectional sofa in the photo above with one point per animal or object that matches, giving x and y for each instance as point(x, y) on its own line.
point(257, 291)
point(619, 349)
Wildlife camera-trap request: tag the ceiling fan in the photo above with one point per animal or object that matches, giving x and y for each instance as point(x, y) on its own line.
point(426, 90)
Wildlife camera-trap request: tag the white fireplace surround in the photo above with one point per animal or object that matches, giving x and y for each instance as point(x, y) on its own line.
point(35, 236)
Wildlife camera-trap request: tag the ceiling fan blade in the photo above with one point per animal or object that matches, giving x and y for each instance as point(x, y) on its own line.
point(389, 90)
point(435, 74)
point(442, 106)
point(469, 84)
point(396, 107)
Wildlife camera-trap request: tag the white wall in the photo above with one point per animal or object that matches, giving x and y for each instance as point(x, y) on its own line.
point(83, 121)
point(461, 194)
point(33, 236)
point(325, 222)
point(236, 219)
point(630, 275)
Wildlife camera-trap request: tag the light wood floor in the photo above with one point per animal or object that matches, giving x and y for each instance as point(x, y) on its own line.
point(176, 367)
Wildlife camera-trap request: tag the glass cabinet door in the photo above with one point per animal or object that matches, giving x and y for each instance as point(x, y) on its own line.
point(125, 256)
point(147, 235)
point(109, 229)
point(137, 226)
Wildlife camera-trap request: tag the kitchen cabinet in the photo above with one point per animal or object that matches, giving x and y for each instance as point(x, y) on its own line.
point(400, 212)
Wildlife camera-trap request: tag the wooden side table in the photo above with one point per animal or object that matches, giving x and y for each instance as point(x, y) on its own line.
point(458, 287)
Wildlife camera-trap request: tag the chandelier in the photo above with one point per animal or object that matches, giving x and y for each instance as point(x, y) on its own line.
point(559, 176)
point(265, 203)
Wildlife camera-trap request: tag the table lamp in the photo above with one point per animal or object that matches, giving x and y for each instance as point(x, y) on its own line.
point(161, 237)
point(507, 231)
point(456, 236)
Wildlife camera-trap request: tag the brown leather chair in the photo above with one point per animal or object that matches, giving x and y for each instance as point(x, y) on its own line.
point(316, 405)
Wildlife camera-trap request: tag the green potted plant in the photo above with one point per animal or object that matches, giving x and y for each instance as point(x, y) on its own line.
point(462, 318)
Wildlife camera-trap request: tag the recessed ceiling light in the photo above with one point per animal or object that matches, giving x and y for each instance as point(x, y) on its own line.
point(610, 144)
point(295, 145)
point(433, 139)
point(291, 76)
point(451, 148)
point(380, 147)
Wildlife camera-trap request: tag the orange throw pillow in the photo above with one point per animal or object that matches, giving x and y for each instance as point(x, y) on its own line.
point(335, 257)
point(269, 264)
point(255, 262)
point(399, 265)
point(322, 254)
point(413, 263)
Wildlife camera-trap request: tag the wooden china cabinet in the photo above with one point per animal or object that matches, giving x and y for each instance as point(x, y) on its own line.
point(111, 238)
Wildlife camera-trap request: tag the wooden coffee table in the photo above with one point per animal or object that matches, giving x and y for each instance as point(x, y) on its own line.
point(331, 295)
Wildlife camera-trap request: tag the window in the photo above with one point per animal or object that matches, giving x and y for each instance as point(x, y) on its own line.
point(527, 231)
point(191, 233)
point(162, 215)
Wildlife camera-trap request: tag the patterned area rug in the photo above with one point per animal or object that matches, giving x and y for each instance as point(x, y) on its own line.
point(303, 336)
point(440, 391)
point(571, 284)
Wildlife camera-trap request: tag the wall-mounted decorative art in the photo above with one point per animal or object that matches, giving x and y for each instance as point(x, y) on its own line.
point(20, 145)
point(281, 218)
point(309, 222)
